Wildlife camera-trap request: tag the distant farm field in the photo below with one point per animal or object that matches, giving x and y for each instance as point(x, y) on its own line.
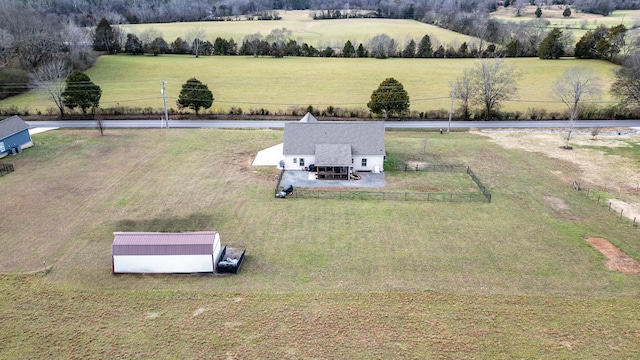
point(280, 84)
point(371, 279)
point(318, 33)
point(578, 23)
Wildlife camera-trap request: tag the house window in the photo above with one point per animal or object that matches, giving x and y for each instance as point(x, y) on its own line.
point(364, 162)
point(295, 160)
point(1, 146)
point(301, 162)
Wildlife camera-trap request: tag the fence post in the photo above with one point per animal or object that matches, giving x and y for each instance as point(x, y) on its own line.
point(609, 205)
point(621, 213)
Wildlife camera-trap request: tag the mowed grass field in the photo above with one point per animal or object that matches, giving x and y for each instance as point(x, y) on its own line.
point(317, 33)
point(281, 84)
point(323, 278)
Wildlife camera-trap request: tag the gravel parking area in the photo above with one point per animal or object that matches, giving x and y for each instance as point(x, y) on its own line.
point(301, 179)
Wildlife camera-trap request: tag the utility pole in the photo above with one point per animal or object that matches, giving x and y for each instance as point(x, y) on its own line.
point(164, 98)
point(453, 96)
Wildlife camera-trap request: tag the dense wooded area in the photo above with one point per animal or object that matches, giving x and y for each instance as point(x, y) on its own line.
point(89, 12)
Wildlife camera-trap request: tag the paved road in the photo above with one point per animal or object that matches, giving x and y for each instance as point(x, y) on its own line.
point(262, 124)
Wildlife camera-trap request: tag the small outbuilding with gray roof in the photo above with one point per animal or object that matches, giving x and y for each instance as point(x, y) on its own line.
point(335, 148)
point(14, 136)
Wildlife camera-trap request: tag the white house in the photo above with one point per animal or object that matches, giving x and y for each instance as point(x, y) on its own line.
point(335, 148)
point(152, 252)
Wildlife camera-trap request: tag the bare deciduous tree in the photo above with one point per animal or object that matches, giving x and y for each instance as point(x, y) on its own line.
point(492, 82)
point(195, 39)
point(78, 43)
point(575, 86)
point(463, 92)
point(50, 76)
point(6, 46)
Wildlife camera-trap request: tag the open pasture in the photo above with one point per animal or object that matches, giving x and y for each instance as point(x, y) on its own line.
point(578, 23)
point(318, 33)
point(280, 84)
point(512, 278)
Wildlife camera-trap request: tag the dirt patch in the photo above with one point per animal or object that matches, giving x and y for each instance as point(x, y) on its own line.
point(560, 208)
point(556, 203)
point(630, 210)
point(616, 259)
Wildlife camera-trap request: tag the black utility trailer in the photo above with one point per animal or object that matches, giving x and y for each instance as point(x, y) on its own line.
point(230, 259)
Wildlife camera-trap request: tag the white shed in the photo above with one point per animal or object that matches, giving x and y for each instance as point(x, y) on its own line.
point(153, 252)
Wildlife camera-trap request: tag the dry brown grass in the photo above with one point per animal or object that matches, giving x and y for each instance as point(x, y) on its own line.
point(588, 160)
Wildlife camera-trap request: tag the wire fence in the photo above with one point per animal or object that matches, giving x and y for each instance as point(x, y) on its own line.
point(611, 188)
point(306, 193)
point(6, 169)
point(597, 194)
point(344, 194)
point(449, 169)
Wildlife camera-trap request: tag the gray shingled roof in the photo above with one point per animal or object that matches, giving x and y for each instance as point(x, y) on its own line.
point(365, 137)
point(11, 126)
point(333, 154)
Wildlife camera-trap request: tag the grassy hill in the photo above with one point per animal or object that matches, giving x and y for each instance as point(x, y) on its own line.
point(279, 84)
point(319, 33)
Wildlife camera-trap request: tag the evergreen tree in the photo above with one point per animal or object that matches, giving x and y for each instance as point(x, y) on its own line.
point(551, 47)
point(424, 48)
point(410, 50)
point(158, 46)
point(361, 52)
point(538, 12)
point(179, 46)
point(195, 95)
point(390, 97)
point(348, 50)
point(566, 12)
point(133, 45)
point(106, 38)
point(81, 92)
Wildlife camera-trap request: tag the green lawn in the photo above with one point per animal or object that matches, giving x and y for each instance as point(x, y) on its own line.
point(322, 278)
point(281, 84)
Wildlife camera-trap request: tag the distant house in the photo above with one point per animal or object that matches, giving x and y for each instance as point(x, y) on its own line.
point(334, 148)
point(14, 136)
point(152, 252)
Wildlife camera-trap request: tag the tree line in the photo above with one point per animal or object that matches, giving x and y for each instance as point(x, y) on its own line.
point(89, 12)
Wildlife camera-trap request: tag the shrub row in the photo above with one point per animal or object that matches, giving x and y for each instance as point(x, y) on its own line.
point(616, 112)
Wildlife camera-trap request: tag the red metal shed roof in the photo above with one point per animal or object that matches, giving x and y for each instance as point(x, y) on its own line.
point(154, 243)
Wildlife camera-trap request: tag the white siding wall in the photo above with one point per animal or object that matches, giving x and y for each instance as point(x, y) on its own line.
point(372, 162)
point(163, 263)
point(290, 165)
